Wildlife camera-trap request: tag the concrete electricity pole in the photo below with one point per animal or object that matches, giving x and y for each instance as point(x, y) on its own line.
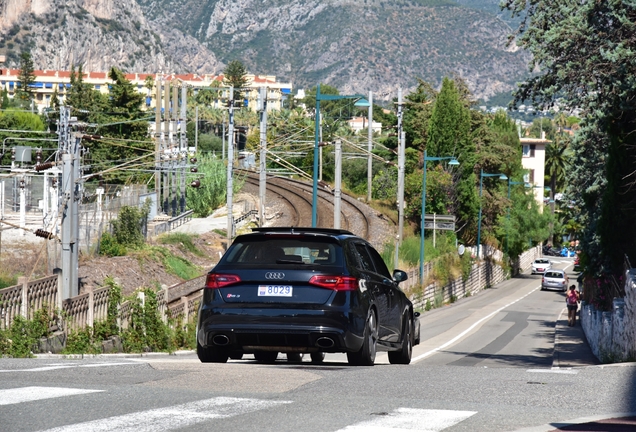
point(183, 150)
point(401, 151)
point(71, 194)
point(174, 150)
point(370, 149)
point(166, 152)
point(230, 162)
point(336, 190)
point(158, 142)
point(262, 185)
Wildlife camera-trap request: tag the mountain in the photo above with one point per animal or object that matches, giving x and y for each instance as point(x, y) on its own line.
point(98, 34)
point(354, 45)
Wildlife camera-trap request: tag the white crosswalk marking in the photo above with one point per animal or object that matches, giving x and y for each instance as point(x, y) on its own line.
point(64, 366)
point(410, 419)
point(28, 394)
point(173, 417)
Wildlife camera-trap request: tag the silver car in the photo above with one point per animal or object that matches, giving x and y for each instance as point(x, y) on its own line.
point(541, 265)
point(555, 279)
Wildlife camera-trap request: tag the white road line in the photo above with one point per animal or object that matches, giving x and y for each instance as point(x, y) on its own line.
point(173, 417)
point(410, 419)
point(468, 330)
point(554, 371)
point(64, 366)
point(29, 394)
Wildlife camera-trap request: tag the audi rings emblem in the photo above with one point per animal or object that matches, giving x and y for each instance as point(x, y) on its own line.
point(274, 275)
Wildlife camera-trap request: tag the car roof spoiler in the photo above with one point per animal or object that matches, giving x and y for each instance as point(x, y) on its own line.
point(298, 230)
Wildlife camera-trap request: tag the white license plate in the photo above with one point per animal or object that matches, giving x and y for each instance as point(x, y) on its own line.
point(274, 291)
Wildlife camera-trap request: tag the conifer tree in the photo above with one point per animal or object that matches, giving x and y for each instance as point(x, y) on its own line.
point(26, 78)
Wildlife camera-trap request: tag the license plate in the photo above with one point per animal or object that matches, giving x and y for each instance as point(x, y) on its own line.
point(274, 291)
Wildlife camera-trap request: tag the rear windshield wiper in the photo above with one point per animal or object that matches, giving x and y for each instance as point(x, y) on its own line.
point(289, 261)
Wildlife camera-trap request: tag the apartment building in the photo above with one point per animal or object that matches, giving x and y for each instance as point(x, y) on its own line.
point(533, 161)
point(47, 81)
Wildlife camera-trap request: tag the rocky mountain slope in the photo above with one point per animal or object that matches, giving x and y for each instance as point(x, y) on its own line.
point(377, 45)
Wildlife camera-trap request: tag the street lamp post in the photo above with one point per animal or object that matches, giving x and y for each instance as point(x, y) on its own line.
point(481, 181)
point(508, 227)
point(321, 97)
point(453, 161)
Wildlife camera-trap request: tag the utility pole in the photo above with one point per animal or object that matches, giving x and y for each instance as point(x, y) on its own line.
point(158, 142)
point(336, 190)
point(223, 139)
point(196, 126)
point(183, 150)
point(401, 151)
point(71, 193)
point(262, 185)
point(230, 162)
point(370, 149)
point(166, 152)
point(174, 152)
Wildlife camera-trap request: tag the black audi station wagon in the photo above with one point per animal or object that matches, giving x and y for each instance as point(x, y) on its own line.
point(304, 290)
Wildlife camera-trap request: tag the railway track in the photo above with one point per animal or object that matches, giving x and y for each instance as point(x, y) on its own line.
point(298, 197)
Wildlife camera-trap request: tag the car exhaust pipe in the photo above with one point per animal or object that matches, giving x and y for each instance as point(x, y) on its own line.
point(221, 340)
point(325, 342)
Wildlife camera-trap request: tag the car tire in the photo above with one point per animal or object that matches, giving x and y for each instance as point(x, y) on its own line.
point(366, 355)
point(268, 357)
point(211, 354)
point(317, 357)
point(294, 357)
point(403, 355)
point(236, 355)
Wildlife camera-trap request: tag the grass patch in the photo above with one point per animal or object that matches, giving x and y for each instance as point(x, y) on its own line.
point(183, 240)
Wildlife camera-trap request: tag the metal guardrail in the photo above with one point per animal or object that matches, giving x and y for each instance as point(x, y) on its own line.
point(173, 223)
point(245, 216)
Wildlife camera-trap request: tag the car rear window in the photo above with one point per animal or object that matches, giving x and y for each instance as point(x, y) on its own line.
point(554, 274)
point(284, 251)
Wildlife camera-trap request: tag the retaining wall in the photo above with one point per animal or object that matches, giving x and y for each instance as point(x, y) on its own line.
point(612, 334)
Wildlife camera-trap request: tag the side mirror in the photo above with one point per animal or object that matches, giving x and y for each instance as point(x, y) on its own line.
point(399, 276)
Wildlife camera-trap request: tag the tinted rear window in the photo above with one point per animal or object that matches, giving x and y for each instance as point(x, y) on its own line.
point(268, 251)
point(554, 275)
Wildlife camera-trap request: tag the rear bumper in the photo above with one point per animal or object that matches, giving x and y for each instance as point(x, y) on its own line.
point(288, 330)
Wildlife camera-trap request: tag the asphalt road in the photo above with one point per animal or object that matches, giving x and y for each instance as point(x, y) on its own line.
point(487, 363)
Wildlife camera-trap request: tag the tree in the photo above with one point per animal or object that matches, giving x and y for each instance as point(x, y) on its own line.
point(449, 134)
point(235, 75)
point(583, 54)
point(556, 162)
point(55, 100)
point(82, 97)
point(26, 79)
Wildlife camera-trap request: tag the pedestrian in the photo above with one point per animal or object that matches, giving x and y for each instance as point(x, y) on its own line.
point(572, 299)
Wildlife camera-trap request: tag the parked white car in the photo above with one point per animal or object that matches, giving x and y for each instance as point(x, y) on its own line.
point(541, 265)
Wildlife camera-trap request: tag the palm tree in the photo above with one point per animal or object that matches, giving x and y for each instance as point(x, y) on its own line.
point(556, 165)
point(561, 120)
point(556, 161)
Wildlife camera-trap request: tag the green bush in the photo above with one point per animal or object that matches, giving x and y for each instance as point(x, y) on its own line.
point(20, 340)
point(108, 246)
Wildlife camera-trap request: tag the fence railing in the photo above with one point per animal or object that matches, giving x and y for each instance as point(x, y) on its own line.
point(183, 299)
point(173, 223)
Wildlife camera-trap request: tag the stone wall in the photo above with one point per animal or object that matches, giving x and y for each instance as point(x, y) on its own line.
point(612, 334)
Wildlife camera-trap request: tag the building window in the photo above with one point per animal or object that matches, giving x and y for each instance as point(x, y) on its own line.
point(528, 150)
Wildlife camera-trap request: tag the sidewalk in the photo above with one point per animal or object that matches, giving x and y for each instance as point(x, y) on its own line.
point(570, 345)
point(572, 350)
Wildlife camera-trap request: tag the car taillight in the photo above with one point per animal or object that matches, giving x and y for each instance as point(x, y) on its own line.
point(217, 280)
point(336, 283)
